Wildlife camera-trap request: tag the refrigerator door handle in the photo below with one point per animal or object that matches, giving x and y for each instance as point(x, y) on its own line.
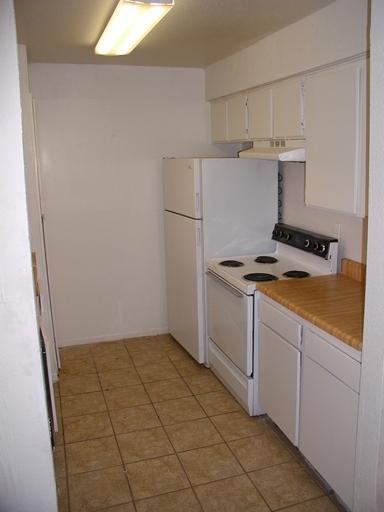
point(198, 233)
point(197, 202)
point(225, 285)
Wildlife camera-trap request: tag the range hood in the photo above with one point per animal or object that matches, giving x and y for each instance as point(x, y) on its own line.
point(291, 150)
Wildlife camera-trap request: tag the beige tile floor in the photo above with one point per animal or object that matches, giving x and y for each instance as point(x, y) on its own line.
point(143, 427)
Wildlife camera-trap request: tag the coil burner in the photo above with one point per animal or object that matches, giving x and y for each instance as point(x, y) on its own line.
point(231, 263)
point(297, 274)
point(266, 259)
point(260, 277)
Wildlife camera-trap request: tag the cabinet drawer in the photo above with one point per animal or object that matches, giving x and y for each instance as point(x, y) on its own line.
point(333, 360)
point(285, 326)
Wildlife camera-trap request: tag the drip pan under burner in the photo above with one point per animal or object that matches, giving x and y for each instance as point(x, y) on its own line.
point(260, 277)
point(266, 259)
point(297, 274)
point(231, 263)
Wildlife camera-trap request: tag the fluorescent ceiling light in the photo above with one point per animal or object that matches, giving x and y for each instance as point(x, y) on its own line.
point(131, 21)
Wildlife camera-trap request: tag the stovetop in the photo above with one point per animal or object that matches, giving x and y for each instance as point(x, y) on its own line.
point(296, 250)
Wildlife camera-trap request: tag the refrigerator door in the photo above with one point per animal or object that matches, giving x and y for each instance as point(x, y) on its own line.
point(185, 282)
point(181, 186)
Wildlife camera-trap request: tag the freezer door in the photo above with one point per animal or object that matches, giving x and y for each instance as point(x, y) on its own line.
point(181, 186)
point(185, 283)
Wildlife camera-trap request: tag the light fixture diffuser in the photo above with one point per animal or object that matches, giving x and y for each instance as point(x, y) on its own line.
point(131, 21)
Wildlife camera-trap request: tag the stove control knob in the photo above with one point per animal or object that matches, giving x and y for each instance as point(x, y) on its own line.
point(307, 243)
point(322, 248)
point(315, 246)
point(287, 236)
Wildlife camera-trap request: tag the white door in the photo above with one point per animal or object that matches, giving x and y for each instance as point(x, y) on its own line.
point(37, 239)
point(288, 108)
point(328, 427)
point(260, 114)
point(219, 121)
point(335, 136)
point(279, 381)
point(237, 118)
point(185, 282)
point(181, 186)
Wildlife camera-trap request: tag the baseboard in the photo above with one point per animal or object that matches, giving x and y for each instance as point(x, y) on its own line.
point(111, 337)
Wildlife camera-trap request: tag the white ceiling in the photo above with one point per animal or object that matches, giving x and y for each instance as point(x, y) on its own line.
point(196, 33)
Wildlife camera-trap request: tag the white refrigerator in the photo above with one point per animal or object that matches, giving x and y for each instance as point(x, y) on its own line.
point(213, 207)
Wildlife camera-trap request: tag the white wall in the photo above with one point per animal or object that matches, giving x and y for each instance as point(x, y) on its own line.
point(102, 132)
point(26, 466)
point(369, 478)
point(334, 33)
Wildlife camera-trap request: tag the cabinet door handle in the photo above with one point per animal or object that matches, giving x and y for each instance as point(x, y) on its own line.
point(225, 285)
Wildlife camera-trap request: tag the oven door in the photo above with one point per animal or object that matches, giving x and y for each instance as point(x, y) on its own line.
point(230, 322)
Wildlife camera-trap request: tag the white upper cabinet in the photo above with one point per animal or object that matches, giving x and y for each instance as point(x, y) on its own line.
point(335, 132)
point(277, 111)
point(260, 113)
point(237, 118)
point(229, 119)
point(219, 121)
point(288, 109)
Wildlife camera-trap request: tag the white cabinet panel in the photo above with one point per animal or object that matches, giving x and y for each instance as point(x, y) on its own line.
point(335, 133)
point(219, 121)
point(279, 381)
point(279, 366)
point(277, 111)
point(260, 114)
point(288, 109)
point(328, 427)
point(229, 119)
point(237, 118)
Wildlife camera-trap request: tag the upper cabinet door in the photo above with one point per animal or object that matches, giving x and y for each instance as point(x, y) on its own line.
point(277, 112)
point(219, 121)
point(288, 109)
point(237, 118)
point(335, 133)
point(260, 114)
point(229, 119)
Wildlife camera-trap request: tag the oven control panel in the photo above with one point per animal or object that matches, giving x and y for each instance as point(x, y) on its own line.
point(308, 241)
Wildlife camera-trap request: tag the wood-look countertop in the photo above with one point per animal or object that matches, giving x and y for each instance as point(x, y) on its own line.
point(334, 303)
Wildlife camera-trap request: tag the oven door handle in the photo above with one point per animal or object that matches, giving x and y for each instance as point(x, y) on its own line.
point(225, 285)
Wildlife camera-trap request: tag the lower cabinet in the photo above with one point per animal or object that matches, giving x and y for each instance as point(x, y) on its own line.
point(279, 368)
point(329, 408)
point(309, 385)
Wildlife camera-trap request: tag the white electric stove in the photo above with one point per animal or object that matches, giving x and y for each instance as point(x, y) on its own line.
point(232, 302)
